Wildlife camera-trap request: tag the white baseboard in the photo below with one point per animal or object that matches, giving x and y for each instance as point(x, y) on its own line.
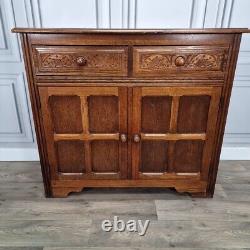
point(235, 153)
point(19, 154)
point(31, 154)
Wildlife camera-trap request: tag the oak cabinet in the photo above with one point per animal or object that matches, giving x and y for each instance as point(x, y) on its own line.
point(130, 108)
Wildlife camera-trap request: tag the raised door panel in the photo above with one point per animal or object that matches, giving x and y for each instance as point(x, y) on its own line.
point(173, 131)
point(83, 129)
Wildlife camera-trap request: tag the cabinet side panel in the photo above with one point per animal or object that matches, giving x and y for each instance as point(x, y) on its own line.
point(221, 122)
point(37, 120)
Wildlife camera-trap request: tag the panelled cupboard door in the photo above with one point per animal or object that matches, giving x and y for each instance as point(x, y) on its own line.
point(173, 131)
point(86, 131)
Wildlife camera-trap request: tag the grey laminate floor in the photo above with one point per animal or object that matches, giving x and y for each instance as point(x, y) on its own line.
point(28, 221)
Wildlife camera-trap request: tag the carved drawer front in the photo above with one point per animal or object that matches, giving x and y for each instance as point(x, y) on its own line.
point(80, 60)
point(180, 61)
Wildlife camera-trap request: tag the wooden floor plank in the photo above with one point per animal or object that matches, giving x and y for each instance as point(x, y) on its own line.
point(20, 172)
point(21, 248)
point(135, 248)
point(29, 221)
point(67, 210)
point(237, 192)
point(44, 233)
point(193, 234)
point(203, 209)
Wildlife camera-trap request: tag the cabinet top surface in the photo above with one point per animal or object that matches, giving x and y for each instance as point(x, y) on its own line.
point(130, 31)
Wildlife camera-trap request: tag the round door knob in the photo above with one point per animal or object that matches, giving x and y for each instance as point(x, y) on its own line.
point(123, 138)
point(81, 61)
point(179, 61)
point(137, 138)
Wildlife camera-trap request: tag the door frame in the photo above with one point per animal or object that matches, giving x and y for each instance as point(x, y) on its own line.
point(176, 93)
point(83, 92)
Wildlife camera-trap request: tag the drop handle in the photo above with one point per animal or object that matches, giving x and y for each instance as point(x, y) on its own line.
point(137, 138)
point(81, 61)
point(123, 137)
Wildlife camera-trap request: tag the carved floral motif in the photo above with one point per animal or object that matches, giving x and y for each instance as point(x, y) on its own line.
point(155, 61)
point(56, 60)
point(201, 61)
point(205, 61)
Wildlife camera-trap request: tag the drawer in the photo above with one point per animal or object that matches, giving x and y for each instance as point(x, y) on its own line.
point(180, 61)
point(90, 61)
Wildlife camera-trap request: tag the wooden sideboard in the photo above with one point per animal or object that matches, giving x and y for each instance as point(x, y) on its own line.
point(130, 108)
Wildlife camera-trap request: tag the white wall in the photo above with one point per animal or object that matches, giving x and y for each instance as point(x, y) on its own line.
point(17, 138)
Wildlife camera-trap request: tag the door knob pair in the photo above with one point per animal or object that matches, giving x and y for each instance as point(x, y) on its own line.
point(136, 138)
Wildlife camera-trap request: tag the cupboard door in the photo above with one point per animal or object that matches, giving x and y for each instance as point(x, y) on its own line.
point(173, 131)
point(86, 131)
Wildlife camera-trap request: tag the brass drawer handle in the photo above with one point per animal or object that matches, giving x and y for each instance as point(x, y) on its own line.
point(123, 137)
point(81, 61)
point(179, 61)
point(137, 138)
